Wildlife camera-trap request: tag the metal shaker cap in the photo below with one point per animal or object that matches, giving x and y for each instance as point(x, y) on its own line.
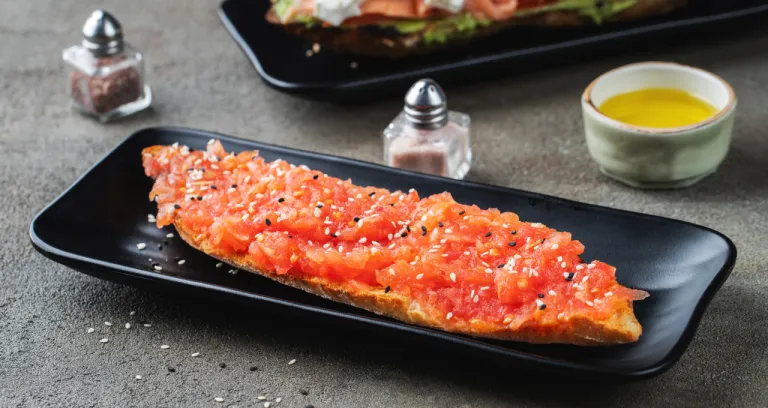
point(103, 34)
point(426, 105)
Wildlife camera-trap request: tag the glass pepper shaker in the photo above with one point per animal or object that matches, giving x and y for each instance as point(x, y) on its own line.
point(426, 136)
point(106, 75)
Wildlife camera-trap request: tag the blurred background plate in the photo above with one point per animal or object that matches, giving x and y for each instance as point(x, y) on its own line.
point(281, 60)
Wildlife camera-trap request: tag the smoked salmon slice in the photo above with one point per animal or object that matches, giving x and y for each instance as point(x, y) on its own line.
point(428, 261)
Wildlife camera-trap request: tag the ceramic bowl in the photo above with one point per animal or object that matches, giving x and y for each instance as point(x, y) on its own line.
point(647, 157)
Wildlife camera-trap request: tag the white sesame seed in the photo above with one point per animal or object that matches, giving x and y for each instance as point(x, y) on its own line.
point(539, 302)
point(327, 245)
point(488, 270)
point(147, 325)
point(476, 299)
point(590, 266)
point(138, 377)
point(589, 303)
point(563, 264)
point(419, 276)
point(608, 294)
point(91, 330)
point(158, 268)
point(507, 320)
point(444, 255)
point(443, 241)
point(584, 279)
point(579, 267)
point(389, 237)
point(267, 404)
point(317, 212)
point(141, 246)
point(432, 251)
point(466, 252)
point(132, 313)
point(218, 399)
point(552, 293)
point(555, 246)
point(449, 315)
point(219, 265)
point(453, 276)
point(169, 235)
point(261, 398)
point(127, 325)
point(448, 230)
point(341, 249)
point(195, 354)
point(362, 240)
point(165, 347)
point(182, 262)
point(292, 362)
point(559, 258)
point(375, 243)
point(472, 294)
point(107, 324)
point(598, 301)
point(278, 399)
point(374, 250)
point(233, 271)
point(327, 231)
point(104, 340)
point(423, 217)
point(485, 288)
point(391, 271)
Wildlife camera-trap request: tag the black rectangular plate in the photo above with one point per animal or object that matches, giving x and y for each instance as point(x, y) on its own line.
point(95, 225)
point(280, 58)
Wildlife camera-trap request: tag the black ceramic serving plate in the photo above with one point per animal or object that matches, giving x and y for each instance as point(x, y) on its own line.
point(281, 61)
point(94, 227)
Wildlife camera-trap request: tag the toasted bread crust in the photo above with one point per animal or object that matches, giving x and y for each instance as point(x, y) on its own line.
point(622, 327)
point(360, 42)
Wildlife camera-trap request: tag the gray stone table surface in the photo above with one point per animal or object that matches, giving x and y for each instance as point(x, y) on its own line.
point(527, 135)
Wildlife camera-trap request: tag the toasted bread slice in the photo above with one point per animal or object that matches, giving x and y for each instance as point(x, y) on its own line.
point(170, 166)
point(388, 45)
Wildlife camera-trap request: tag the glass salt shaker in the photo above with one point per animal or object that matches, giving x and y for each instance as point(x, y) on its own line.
point(106, 77)
point(426, 137)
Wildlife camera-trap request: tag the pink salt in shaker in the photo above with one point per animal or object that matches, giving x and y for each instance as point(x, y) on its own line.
point(426, 137)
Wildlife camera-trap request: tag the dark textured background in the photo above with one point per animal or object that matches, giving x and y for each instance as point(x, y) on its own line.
point(527, 135)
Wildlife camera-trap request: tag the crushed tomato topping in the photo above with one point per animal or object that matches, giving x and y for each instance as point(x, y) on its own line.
point(458, 260)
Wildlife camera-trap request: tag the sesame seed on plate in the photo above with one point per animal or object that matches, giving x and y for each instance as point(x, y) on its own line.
point(107, 324)
point(141, 246)
point(91, 330)
point(132, 313)
point(169, 235)
point(182, 262)
point(165, 347)
point(195, 354)
point(278, 399)
point(127, 325)
point(218, 399)
point(292, 362)
point(147, 325)
point(104, 340)
point(267, 404)
point(220, 264)
point(138, 377)
point(261, 398)
point(158, 268)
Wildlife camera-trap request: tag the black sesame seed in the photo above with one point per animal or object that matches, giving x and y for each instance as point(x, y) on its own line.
point(540, 295)
point(569, 277)
point(159, 247)
point(253, 368)
point(440, 224)
point(199, 198)
point(392, 205)
point(310, 406)
point(408, 228)
point(222, 365)
point(303, 392)
point(356, 219)
point(513, 232)
point(371, 195)
point(290, 236)
point(176, 206)
point(202, 169)
point(280, 200)
point(191, 198)
point(212, 187)
point(512, 244)
point(461, 212)
point(268, 222)
point(315, 177)
point(319, 206)
point(386, 290)
point(500, 266)
point(234, 185)
point(333, 235)
point(423, 230)
point(190, 170)
point(404, 234)
point(488, 234)
point(542, 306)
point(171, 370)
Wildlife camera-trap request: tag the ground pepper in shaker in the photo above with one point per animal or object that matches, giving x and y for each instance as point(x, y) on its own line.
point(426, 136)
point(106, 77)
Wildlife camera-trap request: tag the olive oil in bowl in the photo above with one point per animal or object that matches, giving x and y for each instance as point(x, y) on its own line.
point(658, 108)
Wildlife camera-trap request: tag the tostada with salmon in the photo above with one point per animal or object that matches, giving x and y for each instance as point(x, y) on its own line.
point(429, 261)
point(397, 28)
